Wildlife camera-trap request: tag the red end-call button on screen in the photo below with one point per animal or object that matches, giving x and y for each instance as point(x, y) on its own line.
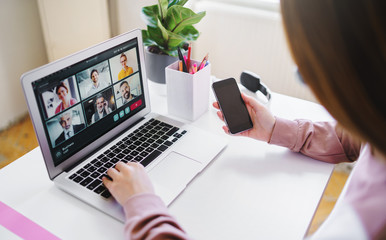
point(135, 105)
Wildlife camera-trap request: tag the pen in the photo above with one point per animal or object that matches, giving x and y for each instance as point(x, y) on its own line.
point(182, 60)
point(202, 64)
point(180, 66)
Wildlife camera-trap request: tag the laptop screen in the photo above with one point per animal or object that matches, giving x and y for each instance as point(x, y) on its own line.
point(82, 102)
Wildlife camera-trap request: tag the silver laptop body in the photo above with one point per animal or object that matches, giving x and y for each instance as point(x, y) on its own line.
point(81, 112)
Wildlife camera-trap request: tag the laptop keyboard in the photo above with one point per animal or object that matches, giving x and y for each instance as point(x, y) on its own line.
point(143, 145)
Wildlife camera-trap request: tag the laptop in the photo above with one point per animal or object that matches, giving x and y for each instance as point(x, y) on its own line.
point(91, 110)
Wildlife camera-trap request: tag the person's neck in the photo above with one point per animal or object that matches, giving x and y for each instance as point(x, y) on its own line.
point(96, 84)
point(66, 103)
point(69, 129)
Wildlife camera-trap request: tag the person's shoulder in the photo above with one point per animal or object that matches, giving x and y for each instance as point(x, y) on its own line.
point(73, 101)
point(90, 92)
point(93, 118)
point(106, 82)
point(57, 110)
point(59, 139)
point(121, 75)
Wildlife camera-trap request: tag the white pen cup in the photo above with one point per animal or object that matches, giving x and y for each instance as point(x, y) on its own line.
point(187, 94)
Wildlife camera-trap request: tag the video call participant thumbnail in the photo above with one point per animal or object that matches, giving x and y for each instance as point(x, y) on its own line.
point(126, 70)
point(102, 108)
point(124, 88)
point(62, 92)
point(97, 85)
point(69, 130)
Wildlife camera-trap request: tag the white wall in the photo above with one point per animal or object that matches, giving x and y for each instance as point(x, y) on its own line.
point(125, 15)
point(21, 49)
point(34, 32)
point(242, 37)
point(72, 25)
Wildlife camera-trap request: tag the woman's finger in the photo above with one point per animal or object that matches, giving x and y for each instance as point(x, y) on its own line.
point(251, 102)
point(121, 166)
point(220, 115)
point(134, 164)
point(113, 173)
point(215, 105)
point(107, 182)
point(226, 129)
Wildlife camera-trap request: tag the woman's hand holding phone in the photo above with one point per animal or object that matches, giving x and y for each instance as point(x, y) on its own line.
point(263, 121)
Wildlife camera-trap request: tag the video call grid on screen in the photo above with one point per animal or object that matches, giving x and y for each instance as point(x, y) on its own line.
point(89, 111)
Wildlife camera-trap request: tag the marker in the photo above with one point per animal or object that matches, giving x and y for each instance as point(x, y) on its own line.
point(184, 68)
point(194, 68)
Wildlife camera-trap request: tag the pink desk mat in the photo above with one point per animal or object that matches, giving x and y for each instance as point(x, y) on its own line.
point(22, 226)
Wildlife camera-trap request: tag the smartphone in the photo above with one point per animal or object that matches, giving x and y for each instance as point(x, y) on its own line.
point(232, 105)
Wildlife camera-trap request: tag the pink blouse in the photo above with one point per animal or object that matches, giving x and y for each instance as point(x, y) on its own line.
point(60, 107)
point(364, 198)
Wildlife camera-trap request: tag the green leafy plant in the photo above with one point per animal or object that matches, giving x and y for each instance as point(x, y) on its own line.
point(169, 26)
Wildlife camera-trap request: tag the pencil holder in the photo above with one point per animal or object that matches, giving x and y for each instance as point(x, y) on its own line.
point(187, 94)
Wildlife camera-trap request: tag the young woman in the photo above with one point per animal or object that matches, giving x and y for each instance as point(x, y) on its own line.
point(126, 70)
point(66, 101)
point(340, 49)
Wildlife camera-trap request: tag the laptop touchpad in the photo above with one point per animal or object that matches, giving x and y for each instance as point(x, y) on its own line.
point(172, 175)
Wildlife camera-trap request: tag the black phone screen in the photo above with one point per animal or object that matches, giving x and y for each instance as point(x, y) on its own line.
point(235, 112)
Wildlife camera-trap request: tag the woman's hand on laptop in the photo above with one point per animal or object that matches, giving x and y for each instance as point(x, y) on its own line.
point(263, 121)
point(127, 180)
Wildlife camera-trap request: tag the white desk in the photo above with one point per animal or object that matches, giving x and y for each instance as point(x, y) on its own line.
point(252, 190)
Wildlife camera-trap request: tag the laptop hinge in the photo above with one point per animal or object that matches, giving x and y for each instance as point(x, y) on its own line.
point(103, 145)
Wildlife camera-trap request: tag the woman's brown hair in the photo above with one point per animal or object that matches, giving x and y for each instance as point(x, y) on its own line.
point(61, 84)
point(340, 49)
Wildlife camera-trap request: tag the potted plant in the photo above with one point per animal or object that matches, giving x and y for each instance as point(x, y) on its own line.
point(169, 26)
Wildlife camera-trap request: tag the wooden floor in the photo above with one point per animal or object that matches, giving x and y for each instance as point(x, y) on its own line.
point(327, 203)
point(20, 139)
point(16, 141)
